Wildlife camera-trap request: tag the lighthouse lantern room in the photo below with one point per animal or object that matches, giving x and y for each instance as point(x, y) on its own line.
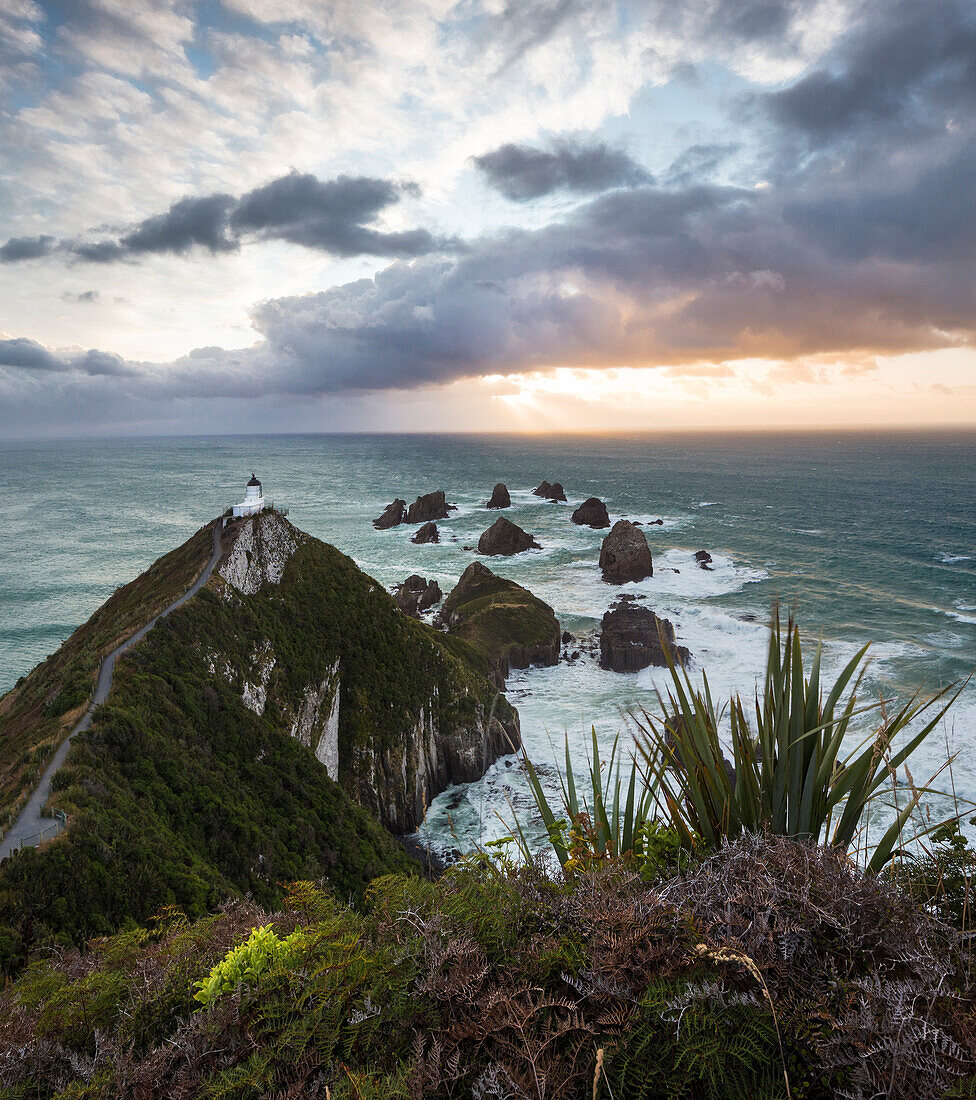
point(253, 501)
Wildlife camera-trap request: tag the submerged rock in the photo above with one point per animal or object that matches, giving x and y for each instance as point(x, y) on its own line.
point(427, 533)
point(429, 506)
point(393, 515)
point(634, 637)
point(507, 538)
point(500, 497)
point(592, 513)
point(416, 594)
point(625, 555)
point(505, 622)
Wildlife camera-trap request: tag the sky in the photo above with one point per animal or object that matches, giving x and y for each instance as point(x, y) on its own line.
point(527, 215)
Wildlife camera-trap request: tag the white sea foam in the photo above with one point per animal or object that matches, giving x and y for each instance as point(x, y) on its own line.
point(952, 559)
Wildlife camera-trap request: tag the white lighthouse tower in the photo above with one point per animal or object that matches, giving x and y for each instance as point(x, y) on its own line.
point(253, 501)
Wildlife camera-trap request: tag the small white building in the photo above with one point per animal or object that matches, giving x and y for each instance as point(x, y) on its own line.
point(253, 501)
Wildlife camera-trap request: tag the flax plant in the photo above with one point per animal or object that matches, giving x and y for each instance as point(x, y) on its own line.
point(596, 823)
point(789, 777)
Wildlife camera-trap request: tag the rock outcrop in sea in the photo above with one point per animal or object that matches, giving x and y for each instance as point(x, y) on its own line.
point(553, 491)
point(393, 515)
point(625, 555)
point(416, 594)
point(427, 532)
point(633, 637)
point(505, 538)
point(704, 559)
point(592, 513)
point(505, 622)
point(500, 497)
point(428, 507)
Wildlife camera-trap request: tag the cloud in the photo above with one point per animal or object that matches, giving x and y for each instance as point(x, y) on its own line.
point(699, 163)
point(334, 216)
point(898, 68)
point(20, 354)
point(85, 296)
point(189, 222)
point(522, 172)
point(26, 248)
point(329, 215)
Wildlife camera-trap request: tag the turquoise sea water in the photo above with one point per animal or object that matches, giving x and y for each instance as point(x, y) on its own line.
point(872, 537)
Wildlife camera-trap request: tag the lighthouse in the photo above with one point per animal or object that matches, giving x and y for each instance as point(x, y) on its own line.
point(253, 501)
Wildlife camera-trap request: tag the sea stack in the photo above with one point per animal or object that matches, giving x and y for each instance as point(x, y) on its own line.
point(592, 513)
point(393, 515)
point(417, 594)
point(429, 507)
point(625, 555)
point(500, 497)
point(550, 491)
point(513, 628)
point(506, 538)
point(634, 637)
point(427, 532)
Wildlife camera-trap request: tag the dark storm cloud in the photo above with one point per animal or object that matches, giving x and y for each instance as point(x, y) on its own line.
point(331, 215)
point(904, 64)
point(26, 354)
point(26, 248)
point(189, 222)
point(523, 172)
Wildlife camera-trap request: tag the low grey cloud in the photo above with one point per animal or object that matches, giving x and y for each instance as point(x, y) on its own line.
point(334, 216)
point(27, 355)
point(26, 248)
point(84, 296)
point(524, 172)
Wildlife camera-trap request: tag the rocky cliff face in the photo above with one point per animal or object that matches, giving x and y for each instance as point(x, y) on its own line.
point(262, 545)
point(391, 710)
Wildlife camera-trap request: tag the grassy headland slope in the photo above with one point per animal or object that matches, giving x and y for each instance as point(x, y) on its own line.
point(42, 708)
point(207, 773)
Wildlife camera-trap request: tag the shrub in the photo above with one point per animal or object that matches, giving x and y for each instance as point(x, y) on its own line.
point(245, 964)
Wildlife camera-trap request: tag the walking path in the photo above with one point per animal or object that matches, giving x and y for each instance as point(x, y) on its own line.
point(30, 828)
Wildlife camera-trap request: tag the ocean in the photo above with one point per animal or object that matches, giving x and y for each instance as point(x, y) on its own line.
point(869, 537)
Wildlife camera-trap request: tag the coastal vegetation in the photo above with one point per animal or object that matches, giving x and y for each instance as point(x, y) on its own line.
point(504, 623)
point(772, 968)
point(193, 785)
point(43, 706)
point(224, 918)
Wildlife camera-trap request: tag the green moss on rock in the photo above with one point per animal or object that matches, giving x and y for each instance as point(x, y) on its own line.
point(503, 621)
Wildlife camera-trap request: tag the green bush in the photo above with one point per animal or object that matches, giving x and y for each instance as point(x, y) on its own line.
point(245, 964)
